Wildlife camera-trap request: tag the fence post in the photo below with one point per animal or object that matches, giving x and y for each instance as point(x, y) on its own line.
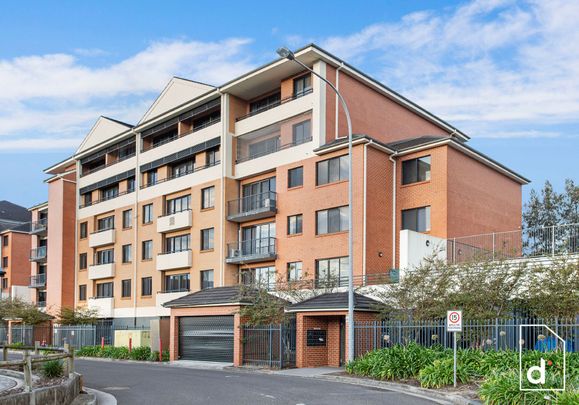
point(70, 361)
point(454, 251)
point(553, 240)
point(27, 372)
point(493, 246)
point(496, 333)
point(281, 351)
point(36, 345)
point(399, 332)
point(4, 353)
point(270, 345)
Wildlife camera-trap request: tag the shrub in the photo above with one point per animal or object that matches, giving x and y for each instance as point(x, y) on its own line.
point(165, 356)
point(441, 373)
point(89, 351)
point(142, 353)
point(503, 388)
point(52, 369)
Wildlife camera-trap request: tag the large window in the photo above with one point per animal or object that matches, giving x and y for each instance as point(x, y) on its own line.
point(417, 219)
point(332, 220)
point(263, 147)
point(151, 177)
point(415, 170)
point(83, 230)
point(130, 184)
point(126, 288)
point(208, 197)
point(302, 85)
point(147, 253)
point(212, 156)
point(265, 103)
point(104, 224)
point(179, 204)
point(109, 192)
point(295, 177)
point(177, 282)
point(207, 238)
point(177, 243)
point(301, 132)
point(127, 219)
point(82, 292)
point(294, 271)
point(104, 290)
point(82, 261)
point(87, 199)
point(263, 277)
point(206, 279)
point(127, 254)
point(182, 168)
point(147, 213)
point(332, 170)
point(332, 272)
point(146, 286)
point(294, 224)
point(105, 256)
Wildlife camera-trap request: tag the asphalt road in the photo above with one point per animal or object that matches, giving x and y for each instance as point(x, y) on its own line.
point(144, 384)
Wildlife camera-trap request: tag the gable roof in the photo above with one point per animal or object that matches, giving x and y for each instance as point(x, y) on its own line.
point(175, 93)
point(104, 129)
point(13, 212)
point(235, 295)
point(334, 301)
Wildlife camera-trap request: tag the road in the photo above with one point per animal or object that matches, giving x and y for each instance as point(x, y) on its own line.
point(144, 384)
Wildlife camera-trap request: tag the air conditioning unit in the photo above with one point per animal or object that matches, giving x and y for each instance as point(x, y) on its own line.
point(235, 252)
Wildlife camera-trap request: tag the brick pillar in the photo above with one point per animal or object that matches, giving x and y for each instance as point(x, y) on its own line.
point(300, 341)
point(174, 340)
point(237, 341)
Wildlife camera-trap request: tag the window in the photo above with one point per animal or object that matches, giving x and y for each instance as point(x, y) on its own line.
point(182, 168)
point(165, 138)
point(127, 254)
point(147, 213)
point(212, 157)
point(109, 192)
point(260, 276)
point(263, 147)
point(179, 204)
point(104, 224)
point(130, 184)
point(127, 219)
point(206, 279)
point(207, 238)
point(5, 240)
point(332, 220)
point(104, 290)
point(294, 271)
point(82, 292)
point(82, 261)
point(147, 250)
point(146, 286)
point(295, 177)
point(127, 151)
point(177, 243)
point(417, 219)
point(151, 177)
point(83, 230)
point(332, 272)
point(331, 170)
point(264, 103)
point(294, 224)
point(177, 282)
point(105, 256)
point(301, 132)
point(125, 288)
point(4, 262)
point(302, 85)
point(415, 170)
point(208, 197)
point(87, 199)
point(5, 283)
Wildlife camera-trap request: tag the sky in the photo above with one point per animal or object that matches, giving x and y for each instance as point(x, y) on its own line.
point(504, 72)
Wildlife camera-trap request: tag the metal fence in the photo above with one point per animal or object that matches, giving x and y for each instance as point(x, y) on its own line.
point(271, 346)
point(526, 243)
point(491, 334)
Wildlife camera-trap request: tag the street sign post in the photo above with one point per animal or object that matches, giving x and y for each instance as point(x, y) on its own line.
point(454, 325)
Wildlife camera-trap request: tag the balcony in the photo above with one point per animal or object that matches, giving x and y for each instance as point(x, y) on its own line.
point(175, 221)
point(174, 260)
point(38, 281)
point(103, 305)
point(274, 104)
point(38, 254)
point(98, 271)
point(39, 227)
point(251, 251)
point(101, 238)
point(252, 207)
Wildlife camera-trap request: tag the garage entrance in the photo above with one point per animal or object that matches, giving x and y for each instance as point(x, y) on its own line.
point(206, 338)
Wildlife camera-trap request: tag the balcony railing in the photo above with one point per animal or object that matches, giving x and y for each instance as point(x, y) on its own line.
point(527, 243)
point(41, 304)
point(40, 226)
point(112, 197)
point(275, 104)
point(273, 146)
point(38, 254)
point(251, 251)
point(38, 281)
point(181, 174)
point(177, 136)
point(255, 206)
point(101, 167)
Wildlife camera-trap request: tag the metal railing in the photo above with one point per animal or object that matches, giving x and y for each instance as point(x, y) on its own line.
point(185, 173)
point(178, 136)
point(38, 280)
point(38, 253)
point(271, 346)
point(39, 226)
point(255, 202)
point(275, 104)
point(101, 167)
point(91, 203)
point(106, 228)
point(274, 147)
point(41, 304)
point(525, 243)
point(252, 247)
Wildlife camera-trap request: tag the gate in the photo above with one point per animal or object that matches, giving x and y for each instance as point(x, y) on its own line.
point(206, 338)
point(271, 346)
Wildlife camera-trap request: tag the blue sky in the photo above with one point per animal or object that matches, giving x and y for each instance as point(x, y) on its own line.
point(505, 72)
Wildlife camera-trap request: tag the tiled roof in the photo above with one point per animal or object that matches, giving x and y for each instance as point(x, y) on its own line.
point(334, 301)
point(214, 296)
point(13, 212)
point(414, 142)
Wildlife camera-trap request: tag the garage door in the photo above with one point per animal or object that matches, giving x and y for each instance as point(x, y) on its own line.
point(206, 338)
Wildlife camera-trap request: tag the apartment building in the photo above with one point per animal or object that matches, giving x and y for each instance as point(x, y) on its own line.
point(247, 183)
point(14, 249)
point(52, 231)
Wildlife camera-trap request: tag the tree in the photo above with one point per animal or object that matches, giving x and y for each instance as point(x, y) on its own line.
point(78, 316)
point(28, 313)
point(551, 208)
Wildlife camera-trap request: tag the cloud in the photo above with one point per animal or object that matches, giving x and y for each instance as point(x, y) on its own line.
point(489, 62)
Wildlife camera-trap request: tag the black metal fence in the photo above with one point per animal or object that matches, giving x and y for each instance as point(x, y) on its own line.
point(490, 334)
point(271, 346)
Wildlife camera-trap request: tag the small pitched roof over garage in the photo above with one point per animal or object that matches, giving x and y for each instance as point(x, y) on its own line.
point(335, 302)
point(235, 295)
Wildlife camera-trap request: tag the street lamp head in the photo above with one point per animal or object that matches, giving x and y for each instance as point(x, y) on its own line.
point(285, 53)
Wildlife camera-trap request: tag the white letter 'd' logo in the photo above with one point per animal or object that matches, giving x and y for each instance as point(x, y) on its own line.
point(541, 370)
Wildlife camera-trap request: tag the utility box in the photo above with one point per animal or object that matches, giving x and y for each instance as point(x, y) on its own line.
point(139, 338)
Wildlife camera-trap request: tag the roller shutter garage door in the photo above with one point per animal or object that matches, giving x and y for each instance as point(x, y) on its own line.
point(206, 338)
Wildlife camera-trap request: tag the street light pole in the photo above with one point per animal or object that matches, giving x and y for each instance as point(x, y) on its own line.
point(287, 54)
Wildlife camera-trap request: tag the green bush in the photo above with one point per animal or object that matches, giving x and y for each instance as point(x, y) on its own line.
point(142, 353)
point(52, 369)
point(441, 373)
point(89, 351)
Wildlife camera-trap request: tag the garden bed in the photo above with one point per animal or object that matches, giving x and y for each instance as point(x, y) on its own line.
point(142, 353)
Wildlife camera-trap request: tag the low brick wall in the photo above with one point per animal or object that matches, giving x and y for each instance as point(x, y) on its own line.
point(62, 394)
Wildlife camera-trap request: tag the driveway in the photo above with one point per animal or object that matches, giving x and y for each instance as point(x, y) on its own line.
point(143, 384)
